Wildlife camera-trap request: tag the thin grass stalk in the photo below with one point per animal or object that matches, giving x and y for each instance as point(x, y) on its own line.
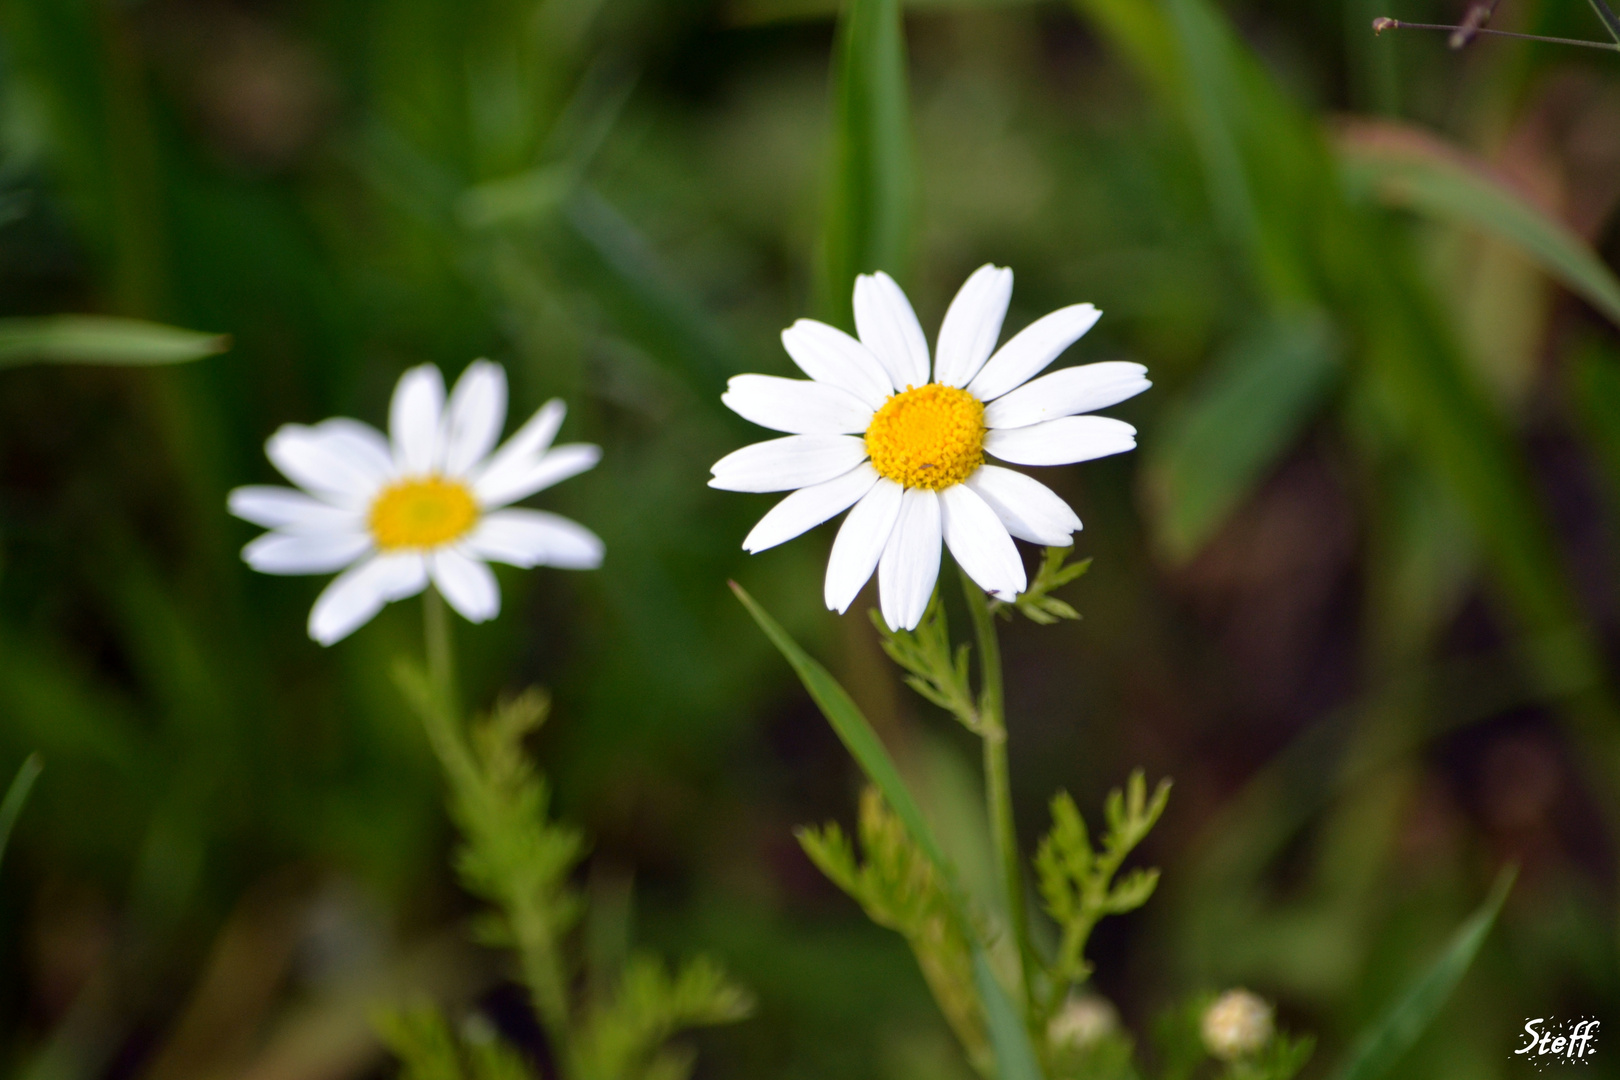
point(542, 967)
point(998, 786)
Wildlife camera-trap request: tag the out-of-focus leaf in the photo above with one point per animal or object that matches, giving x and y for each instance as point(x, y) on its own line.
point(607, 257)
point(1596, 383)
point(856, 733)
point(1349, 258)
point(757, 12)
point(870, 180)
point(1406, 167)
point(1009, 1039)
point(1381, 1046)
point(16, 796)
point(570, 148)
point(100, 339)
point(1263, 390)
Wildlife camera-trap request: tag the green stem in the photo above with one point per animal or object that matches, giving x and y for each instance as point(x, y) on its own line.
point(536, 944)
point(998, 784)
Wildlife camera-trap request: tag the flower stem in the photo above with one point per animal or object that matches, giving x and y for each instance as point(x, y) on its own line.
point(535, 941)
point(998, 785)
point(441, 658)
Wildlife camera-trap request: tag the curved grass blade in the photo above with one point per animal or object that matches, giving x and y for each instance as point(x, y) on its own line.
point(16, 795)
point(869, 199)
point(855, 731)
point(1381, 1047)
point(1411, 169)
point(1015, 1056)
point(1009, 1039)
point(101, 339)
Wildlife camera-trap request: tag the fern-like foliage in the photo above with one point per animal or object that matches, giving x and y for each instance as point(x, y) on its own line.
point(428, 1050)
point(521, 860)
point(623, 1038)
point(1077, 882)
point(932, 668)
point(1036, 603)
point(900, 889)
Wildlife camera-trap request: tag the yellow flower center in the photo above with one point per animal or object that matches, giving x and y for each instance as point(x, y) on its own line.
point(930, 436)
point(422, 512)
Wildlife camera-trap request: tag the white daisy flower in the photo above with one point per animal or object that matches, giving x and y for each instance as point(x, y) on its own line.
point(429, 503)
point(870, 430)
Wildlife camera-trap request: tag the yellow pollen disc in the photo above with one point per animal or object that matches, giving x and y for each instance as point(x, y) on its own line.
point(930, 436)
point(421, 513)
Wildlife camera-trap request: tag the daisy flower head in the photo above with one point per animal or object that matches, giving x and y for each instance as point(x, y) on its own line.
point(900, 442)
point(429, 502)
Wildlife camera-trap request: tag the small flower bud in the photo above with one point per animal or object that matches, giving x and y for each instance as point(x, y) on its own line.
point(1238, 1024)
point(1083, 1022)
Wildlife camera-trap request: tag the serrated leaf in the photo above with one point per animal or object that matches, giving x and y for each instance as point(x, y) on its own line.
point(101, 339)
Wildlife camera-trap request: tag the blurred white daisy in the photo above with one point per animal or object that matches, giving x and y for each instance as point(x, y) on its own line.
point(428, 503)
point(870, 429)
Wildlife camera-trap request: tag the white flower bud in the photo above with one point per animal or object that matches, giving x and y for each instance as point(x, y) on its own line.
point(1238, 1024)
point(1082, 1022)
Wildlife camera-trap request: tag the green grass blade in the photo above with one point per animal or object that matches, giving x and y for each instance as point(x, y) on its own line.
point(1260, 395)
point(1015, 1056)
point(16, 795)
point(1009, 1039)
point(1380, 1047)
point(869, 214)
point(854, 730)
point(1611, 21)
point(97, 339)
point(1407, 168)
point(604, 255)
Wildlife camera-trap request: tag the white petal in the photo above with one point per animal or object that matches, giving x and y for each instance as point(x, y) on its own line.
point(980, 543)
point(361, 591)
point(827, 354)
point(1031, 350)
point(523, 449)
point(860, 543)
point(529, 538)
point(466, 583)
point(808, 507)
point(413, 419)
point(800, 406)
point(910, 564)
point(307, 553)
point(520, 480)
point(888, 326)
point(1030, 510)
point(972, 324)
point(475, 416)
point(1061, 442)
point(1073, 390)
point(291, 511)
point(341, 459)
point(784, 464)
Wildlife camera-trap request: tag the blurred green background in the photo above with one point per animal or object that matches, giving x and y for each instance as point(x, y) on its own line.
point(1358, 593)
